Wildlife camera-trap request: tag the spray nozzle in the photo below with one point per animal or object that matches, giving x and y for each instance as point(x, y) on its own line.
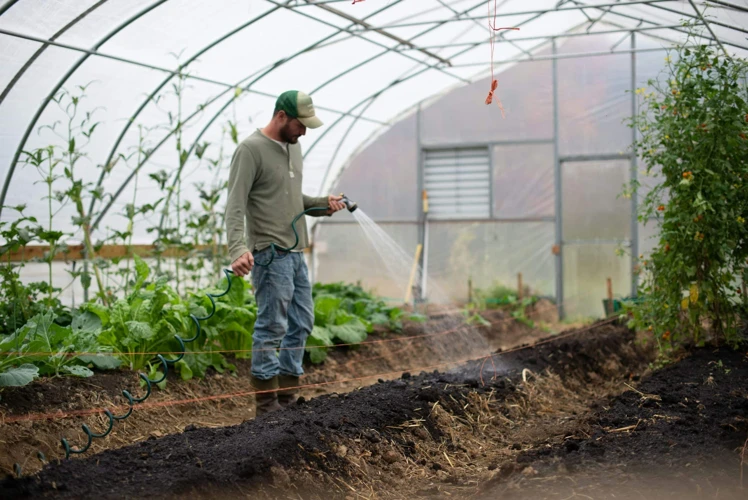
point(350, 205)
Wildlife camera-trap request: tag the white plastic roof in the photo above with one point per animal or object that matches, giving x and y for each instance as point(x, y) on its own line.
point(365, 63)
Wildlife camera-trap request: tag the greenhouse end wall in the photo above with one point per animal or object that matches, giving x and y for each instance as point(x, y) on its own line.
point(594, 159)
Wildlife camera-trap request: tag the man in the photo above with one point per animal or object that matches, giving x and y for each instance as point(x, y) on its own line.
point(264, 197)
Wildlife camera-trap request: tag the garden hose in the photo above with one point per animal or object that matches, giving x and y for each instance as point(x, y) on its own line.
point(350, 205)
point(90, 435)
point(148, 382)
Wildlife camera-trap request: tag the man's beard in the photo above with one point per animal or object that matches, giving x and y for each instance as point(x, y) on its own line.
point(287, 137)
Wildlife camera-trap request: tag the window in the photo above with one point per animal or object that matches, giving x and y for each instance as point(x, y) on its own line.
point(458, 182)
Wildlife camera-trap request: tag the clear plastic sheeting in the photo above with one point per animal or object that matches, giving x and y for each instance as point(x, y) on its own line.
point(489, 254)
point(342, 253)
point(594, 98)
point(587, 268)
point(649, 232)
point(523, 181)
point(173, 85)
point(525, 91)
point(592, 201)
point(382, 177)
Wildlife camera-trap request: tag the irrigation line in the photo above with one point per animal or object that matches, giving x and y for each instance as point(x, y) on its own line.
point(238, 351)
point(164, 404)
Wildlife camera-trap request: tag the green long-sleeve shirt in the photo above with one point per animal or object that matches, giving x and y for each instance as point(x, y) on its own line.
point(265, 195)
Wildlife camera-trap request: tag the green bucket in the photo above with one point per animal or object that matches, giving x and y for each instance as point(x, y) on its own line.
point(618, 303)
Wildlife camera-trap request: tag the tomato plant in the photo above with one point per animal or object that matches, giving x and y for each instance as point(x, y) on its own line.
point(692, 136)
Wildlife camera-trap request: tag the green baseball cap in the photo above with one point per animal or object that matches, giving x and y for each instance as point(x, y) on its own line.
point(299, 105)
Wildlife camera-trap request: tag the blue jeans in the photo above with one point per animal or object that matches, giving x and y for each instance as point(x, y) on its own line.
point(285, 314)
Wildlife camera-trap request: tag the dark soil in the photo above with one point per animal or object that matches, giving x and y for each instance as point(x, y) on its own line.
point(54, 394)
point(33, 418)
point(59, 393)
point(679, 434)
point(232, 460)
point(581, 357)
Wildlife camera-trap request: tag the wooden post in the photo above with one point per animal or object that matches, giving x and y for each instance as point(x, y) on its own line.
point(409, 289)
point(610, 297)
point(470, 289)
point(520, 292)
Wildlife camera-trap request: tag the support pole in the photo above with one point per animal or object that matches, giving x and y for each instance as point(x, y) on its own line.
point(558, 247)
point(425, 243)
point(422, 210)
point(634, 179)
point(411, 280)
point(519, 287)
point(85, 271)
point(610, 297)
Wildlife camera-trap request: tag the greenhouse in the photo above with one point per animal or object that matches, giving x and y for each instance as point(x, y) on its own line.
point(525, 211)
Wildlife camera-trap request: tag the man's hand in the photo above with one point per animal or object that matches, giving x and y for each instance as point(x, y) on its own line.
point(334, 204)
point(243, 265)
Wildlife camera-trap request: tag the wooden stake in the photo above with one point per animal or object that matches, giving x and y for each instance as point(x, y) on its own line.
point(610, 297)
point(470, 290)
point(408, 291)
point(519, 286)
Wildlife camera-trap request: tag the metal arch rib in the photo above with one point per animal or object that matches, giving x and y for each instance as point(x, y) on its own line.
point(219, 112)
point(265, 73)
point(380, 31)
point(44, 47)
point(8, 5)
point(619, 29)
point(709, 27)
point(558, 8)
point(166, 80)
point(57, 87)
point(169, 71)
point(729, 5)
point(396, 82)
point(359, 35)
point(380, 54)
point(387, 50)
point(716, 23)
point(197, 139)
point(374, 96)
point(679, 30)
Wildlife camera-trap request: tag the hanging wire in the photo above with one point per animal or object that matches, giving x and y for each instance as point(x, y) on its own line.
point(492, 28)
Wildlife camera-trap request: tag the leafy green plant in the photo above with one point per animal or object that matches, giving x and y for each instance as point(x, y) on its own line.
point(16, 301)
point(502, 296)
point(694, 137)
point(229, 329)
point(361, 303)
point(19, 302)
point(472, 318)
point(204, 225)
point(43, 347)
point(133, 212)
point(345, 314)
point(45, 162)
point(145, 322)
point(76, 134)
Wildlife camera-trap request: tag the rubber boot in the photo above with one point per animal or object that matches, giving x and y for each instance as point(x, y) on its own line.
point(265, 402)
point(289, 389)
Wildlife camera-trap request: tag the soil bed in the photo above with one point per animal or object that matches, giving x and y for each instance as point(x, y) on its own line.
point(345, 369)
point(317, 448)
point(679, 434)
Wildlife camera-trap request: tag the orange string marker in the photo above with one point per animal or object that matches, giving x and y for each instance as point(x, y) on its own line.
point(494, 83)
